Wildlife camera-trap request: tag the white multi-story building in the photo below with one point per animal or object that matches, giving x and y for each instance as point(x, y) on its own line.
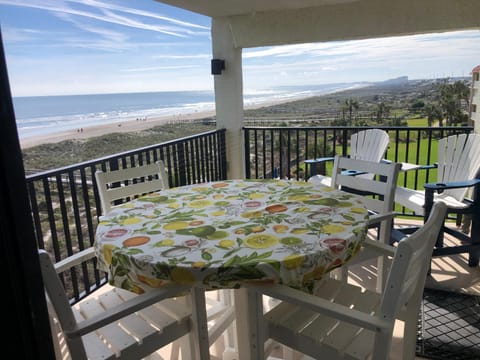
point(475, 99)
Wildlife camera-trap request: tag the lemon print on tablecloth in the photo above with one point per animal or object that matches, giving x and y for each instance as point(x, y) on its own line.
point(226, 244)
point(174, 206)
point(182, 276)
point(176, 225)
point(217, 235)
point(165, 242)
point(291, 241)
point(152, 282)
point(293, 261)
point(358, 210)
point(254, 196)
point(261, 241)
point(107, 251)
point(198, 204)
point(200, 188)
point(198, 264)
point(131, 220)
point(299, 231)
point(300, 197)
point(333, 228)
point(218, 213)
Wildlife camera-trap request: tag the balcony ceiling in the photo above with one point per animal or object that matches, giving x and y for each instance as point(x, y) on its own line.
point(275, 22)
point(218, 8)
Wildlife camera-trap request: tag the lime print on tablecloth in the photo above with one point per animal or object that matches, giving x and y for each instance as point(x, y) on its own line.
point(221, 234)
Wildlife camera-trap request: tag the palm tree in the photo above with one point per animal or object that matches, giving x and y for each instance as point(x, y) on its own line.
point(451, 97)
point(383, 111)
point(433, 112)
point(350, 105)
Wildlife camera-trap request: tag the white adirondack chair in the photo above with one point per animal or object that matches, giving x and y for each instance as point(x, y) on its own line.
point(370, 145)
point(344, 321)
point(130, 182)
point(378, 191)
point(458, 165)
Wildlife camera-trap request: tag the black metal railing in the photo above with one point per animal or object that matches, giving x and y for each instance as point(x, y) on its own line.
point(282, 151)
point(65, 201)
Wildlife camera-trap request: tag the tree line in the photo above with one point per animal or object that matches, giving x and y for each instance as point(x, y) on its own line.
point(448, 105)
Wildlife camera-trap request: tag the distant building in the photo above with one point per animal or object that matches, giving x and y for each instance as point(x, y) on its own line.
point(475, 99)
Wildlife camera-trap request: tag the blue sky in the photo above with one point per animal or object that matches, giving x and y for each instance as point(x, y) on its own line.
point(59, 47)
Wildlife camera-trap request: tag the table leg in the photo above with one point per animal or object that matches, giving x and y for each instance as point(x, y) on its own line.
point(248, 308)
point(200, 325)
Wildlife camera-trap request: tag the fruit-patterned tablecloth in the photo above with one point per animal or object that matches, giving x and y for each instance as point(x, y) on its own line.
point(220, 234)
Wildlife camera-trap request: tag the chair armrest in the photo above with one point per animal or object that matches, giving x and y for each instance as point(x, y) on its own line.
point(379, 247)
point(410, 166)
point(439, 187)
point(319, 160)
point(74, 260)
point(372, 249)
point(430, 188)
point(120, 311)
point(322, 306)
point(377, 218)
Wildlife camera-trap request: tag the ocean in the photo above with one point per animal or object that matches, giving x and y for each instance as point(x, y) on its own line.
point(45, 115)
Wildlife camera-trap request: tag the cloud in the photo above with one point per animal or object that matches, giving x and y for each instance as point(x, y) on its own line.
point(183, 56)
point(99, 4)
point(180, 29)
point(155, 68)
point(19, 34)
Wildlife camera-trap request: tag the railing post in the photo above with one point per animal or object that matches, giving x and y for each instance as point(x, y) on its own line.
point(247, 153)
point(181, 162)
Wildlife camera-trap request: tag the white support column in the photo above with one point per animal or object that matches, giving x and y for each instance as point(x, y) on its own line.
point(229, 96)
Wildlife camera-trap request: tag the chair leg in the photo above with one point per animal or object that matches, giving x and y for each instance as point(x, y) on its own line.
point(473, 259)
point(409, 337)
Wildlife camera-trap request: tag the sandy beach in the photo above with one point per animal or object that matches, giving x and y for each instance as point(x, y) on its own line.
point(132, 125)
point(123, 127)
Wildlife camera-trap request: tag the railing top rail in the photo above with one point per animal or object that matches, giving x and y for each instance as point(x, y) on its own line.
point(92, 162)
point(401, 128)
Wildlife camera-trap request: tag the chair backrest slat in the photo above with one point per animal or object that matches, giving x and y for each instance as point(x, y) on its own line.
point(458, 160)
point(369, 145)
point(410, 265)
point(130, 182)
point(382, 182)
